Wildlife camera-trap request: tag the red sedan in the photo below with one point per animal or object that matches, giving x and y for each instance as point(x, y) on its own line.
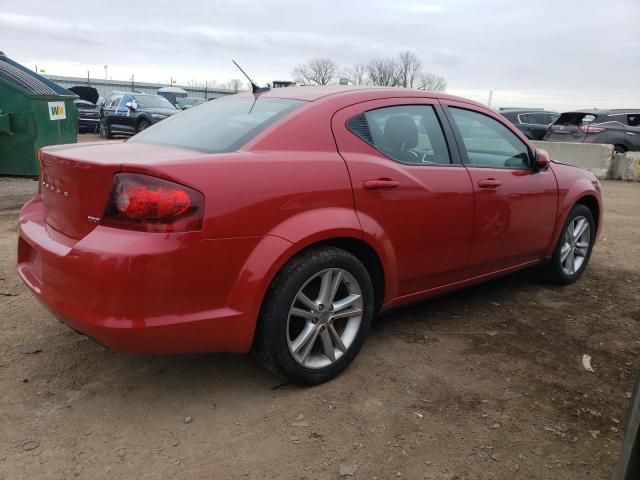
point(282, 222)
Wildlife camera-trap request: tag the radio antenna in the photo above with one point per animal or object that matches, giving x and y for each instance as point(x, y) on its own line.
point(254, 88)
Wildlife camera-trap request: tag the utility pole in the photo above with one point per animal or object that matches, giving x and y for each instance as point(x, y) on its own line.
point(88, 80)
point(133, 83)
point(206, 84)
point(490, 96)
point(105, 72)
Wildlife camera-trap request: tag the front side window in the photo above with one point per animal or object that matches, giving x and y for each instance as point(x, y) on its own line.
point(633, 119)
point(489, 143)
point(408, 134)
point(219, 126)
point(113, 101)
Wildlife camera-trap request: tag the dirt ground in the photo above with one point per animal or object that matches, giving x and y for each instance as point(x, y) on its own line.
point(486, 383)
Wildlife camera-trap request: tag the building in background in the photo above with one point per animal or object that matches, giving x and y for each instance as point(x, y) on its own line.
point(105, 87)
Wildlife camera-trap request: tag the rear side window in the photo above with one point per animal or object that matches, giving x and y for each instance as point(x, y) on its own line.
point(220, 125)
point(408, 134)
point(538, 118)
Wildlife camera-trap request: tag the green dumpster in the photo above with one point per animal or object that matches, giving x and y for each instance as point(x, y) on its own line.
point(34, 112)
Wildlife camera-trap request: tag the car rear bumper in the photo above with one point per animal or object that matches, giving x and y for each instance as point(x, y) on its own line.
point(140, 292)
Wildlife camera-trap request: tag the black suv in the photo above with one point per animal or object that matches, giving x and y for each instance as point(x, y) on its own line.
point(126, 113)
point(533, 123)
point(620, 128)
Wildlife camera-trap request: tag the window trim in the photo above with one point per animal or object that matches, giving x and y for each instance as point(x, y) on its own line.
point(449, 139)
point(463, 149)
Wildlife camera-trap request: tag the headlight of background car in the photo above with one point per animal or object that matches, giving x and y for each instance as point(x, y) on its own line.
point(158, 115)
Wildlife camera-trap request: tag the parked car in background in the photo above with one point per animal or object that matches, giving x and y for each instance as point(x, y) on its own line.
point(533, 123)
point(620, 128)
point(173, 94)
point(87, 108)
point(188, 102)
point(127, 113)
point(88, 116)
point(282, 222)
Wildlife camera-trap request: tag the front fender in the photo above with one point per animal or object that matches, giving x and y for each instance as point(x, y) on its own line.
point(571, 189)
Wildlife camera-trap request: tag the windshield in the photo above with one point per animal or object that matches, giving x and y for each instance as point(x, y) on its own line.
point(152, 101)
point(219, 126)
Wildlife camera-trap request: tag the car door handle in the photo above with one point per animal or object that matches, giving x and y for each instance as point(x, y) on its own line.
point(380, 184)
point(489, 183)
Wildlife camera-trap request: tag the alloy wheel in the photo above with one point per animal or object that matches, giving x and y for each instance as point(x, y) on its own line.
point(324, 318)
point(575, 246)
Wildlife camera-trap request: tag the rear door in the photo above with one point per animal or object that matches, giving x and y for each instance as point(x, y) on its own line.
point(410, 189)
point(515, 206)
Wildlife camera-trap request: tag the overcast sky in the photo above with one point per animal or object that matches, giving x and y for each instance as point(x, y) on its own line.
point(559, 54)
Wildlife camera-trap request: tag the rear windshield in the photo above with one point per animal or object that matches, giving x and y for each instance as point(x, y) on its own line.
point(220, 125)
point(575, 118)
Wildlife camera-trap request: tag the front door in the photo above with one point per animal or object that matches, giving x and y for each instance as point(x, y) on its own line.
point(515, 205)
point(410, 189)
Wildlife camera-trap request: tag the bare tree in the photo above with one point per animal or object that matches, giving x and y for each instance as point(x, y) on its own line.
point(317, 71)
point(383, 72)
point(409, 66)
point(235, 84)
point(431, 82)
point(357, 75)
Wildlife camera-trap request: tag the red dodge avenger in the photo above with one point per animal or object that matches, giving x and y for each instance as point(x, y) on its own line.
point(283, 221)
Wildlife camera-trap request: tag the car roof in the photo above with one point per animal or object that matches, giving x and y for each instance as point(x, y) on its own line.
point(314, 93)
point(596, 111)
point(525, 110)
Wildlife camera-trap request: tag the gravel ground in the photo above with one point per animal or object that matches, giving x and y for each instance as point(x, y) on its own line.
point(486, 383)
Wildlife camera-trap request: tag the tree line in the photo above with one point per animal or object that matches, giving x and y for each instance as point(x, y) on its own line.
point(404, 70)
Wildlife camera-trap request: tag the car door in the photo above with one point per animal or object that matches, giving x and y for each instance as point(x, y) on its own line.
point(410, 190)
point(120, 119)
point(127, 116)
point(515, 205)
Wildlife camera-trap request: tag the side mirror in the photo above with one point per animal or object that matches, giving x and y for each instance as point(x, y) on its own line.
point(131, 105)
point(542, 160)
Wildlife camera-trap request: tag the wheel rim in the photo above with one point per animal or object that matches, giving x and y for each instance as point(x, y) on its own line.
point(103, 130)
point(575, 245)
point(142, 126)
point(324, 318)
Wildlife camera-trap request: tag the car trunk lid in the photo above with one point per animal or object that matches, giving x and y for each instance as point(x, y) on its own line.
point(76, 180)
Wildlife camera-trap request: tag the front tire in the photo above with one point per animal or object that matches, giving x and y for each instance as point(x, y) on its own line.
point(105, 131)
point(573, 250)
point(316, 316)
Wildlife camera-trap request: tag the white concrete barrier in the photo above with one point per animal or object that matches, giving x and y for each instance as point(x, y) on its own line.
point(595, 157)
point(626, 166)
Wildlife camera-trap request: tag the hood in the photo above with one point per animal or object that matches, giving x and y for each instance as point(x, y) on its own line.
point(89, 94)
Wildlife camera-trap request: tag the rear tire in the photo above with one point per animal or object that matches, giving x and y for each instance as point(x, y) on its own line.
point(104, 130)
point(619, 149)
point(573, 250)
point(143, 125)
point(312, 340)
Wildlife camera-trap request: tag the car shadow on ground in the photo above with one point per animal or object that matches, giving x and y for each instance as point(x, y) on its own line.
point(227, 371)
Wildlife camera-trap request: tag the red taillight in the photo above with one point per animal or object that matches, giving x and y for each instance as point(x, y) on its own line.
point(142, 202)
point(587, 129)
